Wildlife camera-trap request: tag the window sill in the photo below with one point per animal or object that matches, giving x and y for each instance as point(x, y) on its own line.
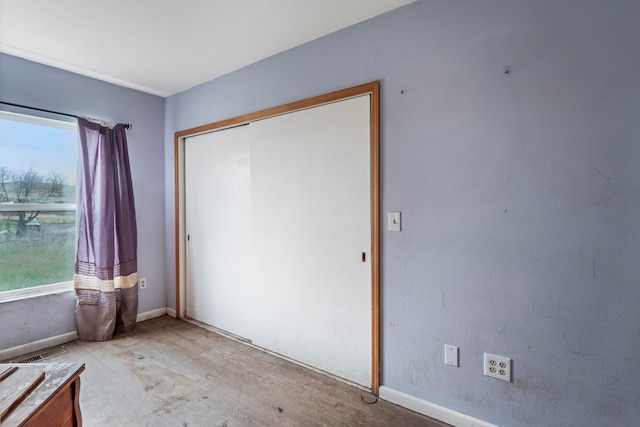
point(36, 291)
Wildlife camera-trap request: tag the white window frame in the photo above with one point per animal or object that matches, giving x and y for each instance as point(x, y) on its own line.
point(52, 288)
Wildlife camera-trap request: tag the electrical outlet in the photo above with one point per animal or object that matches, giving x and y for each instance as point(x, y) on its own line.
point(451, 355)
point(143, 283)
point(497, 367)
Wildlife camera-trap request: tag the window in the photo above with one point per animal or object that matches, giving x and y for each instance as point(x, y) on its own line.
point(38, 159)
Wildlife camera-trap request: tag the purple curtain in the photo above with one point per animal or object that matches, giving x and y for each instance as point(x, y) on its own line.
point(106, 268)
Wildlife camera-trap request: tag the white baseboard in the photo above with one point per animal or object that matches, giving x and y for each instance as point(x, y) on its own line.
point(19, 350)
point(31, 347)
point(151, 314)
point(171, 312)
point(429, 409)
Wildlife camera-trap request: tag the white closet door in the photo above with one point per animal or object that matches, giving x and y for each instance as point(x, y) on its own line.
point(311, 218)
point(218, 225)
point(279, 216)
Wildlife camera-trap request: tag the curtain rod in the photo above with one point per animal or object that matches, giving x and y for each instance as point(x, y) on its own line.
point(126, 125)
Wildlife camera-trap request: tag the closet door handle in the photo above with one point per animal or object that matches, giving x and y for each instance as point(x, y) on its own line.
point(364, 257)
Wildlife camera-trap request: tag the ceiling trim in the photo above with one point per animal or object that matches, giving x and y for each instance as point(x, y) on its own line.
point(9, 50)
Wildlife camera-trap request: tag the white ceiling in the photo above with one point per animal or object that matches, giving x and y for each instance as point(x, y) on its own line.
point(167, 46)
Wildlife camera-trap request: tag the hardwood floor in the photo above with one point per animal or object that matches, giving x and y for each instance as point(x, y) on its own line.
point(170, 372)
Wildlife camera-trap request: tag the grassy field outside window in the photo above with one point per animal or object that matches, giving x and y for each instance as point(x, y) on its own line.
point(40, 257)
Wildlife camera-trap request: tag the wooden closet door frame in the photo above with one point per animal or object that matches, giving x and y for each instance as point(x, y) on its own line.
point(372, 89)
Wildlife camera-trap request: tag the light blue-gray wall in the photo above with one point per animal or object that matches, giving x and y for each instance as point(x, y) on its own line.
point(520, 195)
point(28, 83)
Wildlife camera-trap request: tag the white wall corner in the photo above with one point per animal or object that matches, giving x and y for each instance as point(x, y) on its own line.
point(151, 314)
point(171, 312)
point(432, 410)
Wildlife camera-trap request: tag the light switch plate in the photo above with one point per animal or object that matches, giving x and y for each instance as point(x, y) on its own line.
point(451, 355)
point(394, 221)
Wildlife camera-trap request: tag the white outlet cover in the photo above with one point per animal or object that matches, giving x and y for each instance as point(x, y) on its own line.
point(497, 367)
point(451, 355)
